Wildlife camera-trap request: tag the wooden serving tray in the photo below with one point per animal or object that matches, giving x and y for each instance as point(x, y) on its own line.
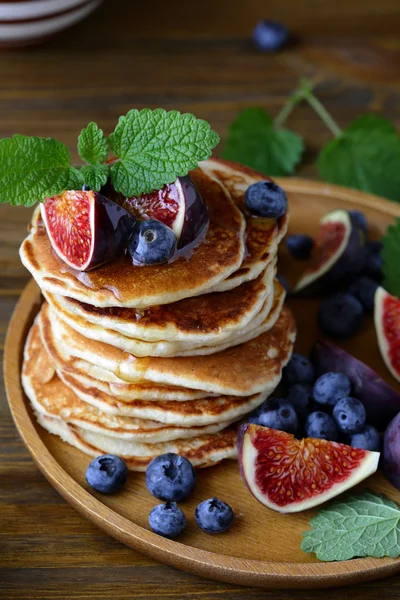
point(263, 547)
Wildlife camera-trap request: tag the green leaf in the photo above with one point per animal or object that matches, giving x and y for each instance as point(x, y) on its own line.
point(93, 145)
point(366, 524)
point(33, 168)
point(155, 147)
point(391, 259)
point(253, 141)
point(366, 156)
point(95, 176)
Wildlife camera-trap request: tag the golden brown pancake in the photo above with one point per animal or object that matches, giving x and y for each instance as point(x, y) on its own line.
point(242, 370)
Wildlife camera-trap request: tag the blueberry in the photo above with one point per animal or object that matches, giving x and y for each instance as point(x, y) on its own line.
point(170, 477)
point(214, 516)
point(266, 199)
point(276, 413)
point(107, 474)
point(167, 520)
point(340, 315)
point(363, 288)
point(270, 36)
point(151, 243)
point(298, 370)
point(373, 261)
point(367, 439)
point(349, 414)
point(360, 219)
point(300, 245)
point(331, 387)
point(321, 425)
point(283, 281)
point(299, 396)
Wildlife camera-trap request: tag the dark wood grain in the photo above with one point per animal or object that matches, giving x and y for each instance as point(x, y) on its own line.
point(194, 57)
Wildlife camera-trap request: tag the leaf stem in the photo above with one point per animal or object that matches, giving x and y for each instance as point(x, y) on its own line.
point(323, 114)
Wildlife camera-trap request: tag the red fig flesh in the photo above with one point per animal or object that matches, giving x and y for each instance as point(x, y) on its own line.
point(85, 228)
point(387, 325)
point(381, 401)
point(290, 475)
point(339, 253)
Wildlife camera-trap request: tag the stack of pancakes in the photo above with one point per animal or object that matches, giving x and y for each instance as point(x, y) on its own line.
point(138, 361)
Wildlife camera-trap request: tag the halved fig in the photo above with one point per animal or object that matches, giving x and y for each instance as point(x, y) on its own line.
point(338, 256)
point(387, 326)
point(85, 228)
point(289, 475)
point(391, 452)
point(381, 401)
point(178, 205)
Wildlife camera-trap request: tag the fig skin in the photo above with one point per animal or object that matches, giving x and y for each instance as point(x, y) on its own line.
point(347, 266)
point(391, 452)
point(381, 401)
point(196, 213)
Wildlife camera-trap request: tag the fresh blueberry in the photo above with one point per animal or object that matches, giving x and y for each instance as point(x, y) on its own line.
point(270, 36)
point(360, 219)
point(373, 261)
point(340, 315)
point(276, 413)
point(151, 243)
point(107, 474)
point(300, 245)
point(298, 370)
point(331, 387)
point(364, 288)
point(321, 425)
point(266, 199)
point(167, 520)
point(367, 439)
point(214, 516)
point(349, 414)
point(283, 281)
point(170, 477)
point(299, 396)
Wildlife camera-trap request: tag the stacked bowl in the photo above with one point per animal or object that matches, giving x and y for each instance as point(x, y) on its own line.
point(141, 360)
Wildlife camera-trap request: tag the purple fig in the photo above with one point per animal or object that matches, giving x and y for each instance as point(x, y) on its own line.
point(391, 452)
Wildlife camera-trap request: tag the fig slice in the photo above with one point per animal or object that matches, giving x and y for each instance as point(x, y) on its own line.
point(338, 256)
point(85, 228)
point(381, 401)
point(289, 475)
point(178, 205)
point(387, 326)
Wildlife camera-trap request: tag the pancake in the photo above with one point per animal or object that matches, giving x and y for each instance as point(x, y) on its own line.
point(51, 397)
point(242, 370)
point(262, 322)
point(202, 320)
point(262, 235)
point(203, 451)
point(120, 283)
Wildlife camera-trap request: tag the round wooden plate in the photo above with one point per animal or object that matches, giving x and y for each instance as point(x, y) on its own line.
point(263, 547)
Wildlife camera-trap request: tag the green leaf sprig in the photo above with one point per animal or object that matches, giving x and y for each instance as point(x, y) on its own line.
point(150, 148)
point(361, 525)
point(365, 155)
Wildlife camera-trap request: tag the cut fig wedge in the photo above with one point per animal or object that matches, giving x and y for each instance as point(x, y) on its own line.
point(339, 254)
point(178, 205)
point(381, 401)
point(289, 475)
point(85, 228)
point(387, 326)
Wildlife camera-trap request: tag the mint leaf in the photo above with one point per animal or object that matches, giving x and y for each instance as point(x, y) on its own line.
point(391, 259)
point(33, 168)
point(95, 176)
point(92, 145)
point(366, 156)
point(155, 147)
point(254, 141)
point(366, 524)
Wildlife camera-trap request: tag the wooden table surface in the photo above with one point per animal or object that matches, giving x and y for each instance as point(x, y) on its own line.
point(197, 58)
